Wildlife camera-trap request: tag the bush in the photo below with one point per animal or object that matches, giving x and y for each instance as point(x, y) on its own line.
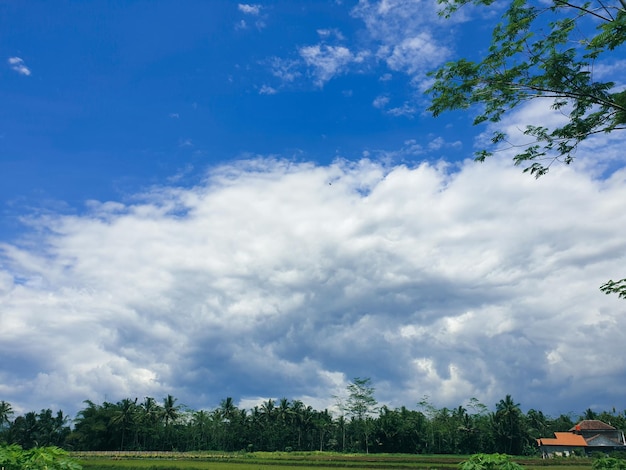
point(13, 457)
point(609, 463)
point(490, 462)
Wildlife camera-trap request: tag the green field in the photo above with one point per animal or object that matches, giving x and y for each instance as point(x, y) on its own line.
point(294, 461)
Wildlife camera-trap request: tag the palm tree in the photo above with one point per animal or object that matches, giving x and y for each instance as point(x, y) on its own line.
point(228, 409)
point(508, 425)
point(200, 422)
point(170, 414)
point(228, 417)
point(268, 420)
point(323, 422)
point(150, 413)
point(125, 417)
point(590, 414)
point(6, 411)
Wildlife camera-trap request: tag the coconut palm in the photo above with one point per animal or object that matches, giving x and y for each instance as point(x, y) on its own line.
point(170, 411)
point(170, 414)
point(125, 417)
point(6, 411)
point(508, 426)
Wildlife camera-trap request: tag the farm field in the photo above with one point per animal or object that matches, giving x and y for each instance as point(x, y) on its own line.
point(294, 461)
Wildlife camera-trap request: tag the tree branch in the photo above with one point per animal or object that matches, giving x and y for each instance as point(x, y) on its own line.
point(564, 94)
point(567, 4)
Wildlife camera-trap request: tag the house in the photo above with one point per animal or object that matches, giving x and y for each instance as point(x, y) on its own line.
point(563, 444)
point(588, 436)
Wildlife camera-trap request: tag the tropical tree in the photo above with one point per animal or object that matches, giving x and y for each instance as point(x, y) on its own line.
point(322, 422)
point(546, 50)
point(537, 424)
point(200, 428)
point(268, 423)
point(542, 50)
point(24, 431)
point(360, 405)
point(508, 428)
point(6, 411)
point(170, 413)
point(149, 418)
point(125, 418)
point(589, 414)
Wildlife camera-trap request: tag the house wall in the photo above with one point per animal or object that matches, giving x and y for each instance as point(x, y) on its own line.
point(558, 451)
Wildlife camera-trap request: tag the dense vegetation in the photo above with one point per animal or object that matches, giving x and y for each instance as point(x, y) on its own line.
point(290, 425)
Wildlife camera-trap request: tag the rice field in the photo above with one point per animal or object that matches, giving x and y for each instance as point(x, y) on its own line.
point(295, 461)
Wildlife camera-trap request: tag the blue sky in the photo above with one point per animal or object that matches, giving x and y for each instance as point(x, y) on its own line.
point(216, 199)
point(124, 95)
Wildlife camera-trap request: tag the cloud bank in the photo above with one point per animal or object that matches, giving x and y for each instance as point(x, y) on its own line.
point(274, 278)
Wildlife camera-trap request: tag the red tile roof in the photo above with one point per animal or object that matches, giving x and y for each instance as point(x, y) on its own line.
point(592, 425)
point(563, 439)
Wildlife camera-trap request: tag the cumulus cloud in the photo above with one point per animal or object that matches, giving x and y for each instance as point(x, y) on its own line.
point(249, 9)
point(597, 155)
point(274, 278)
point(405, 34)
point(328, 61)
point(18, 65)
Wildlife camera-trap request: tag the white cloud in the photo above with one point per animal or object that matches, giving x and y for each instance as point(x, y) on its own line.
point(596, 155)
point(380, 101)
point(417, 54)
point(328, 61)
point(328, 33)
point(284, 69)
point(18, 65)
point(609, 71)
point(430, 282)
point(267, 90)
point(406, 109)
point(249, 9)
point(404, 34)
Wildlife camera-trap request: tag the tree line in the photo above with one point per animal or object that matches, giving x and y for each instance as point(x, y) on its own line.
point(361, 425)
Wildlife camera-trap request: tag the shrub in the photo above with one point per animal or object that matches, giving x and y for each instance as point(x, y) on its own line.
point(609, 463)
point(13, 457)
point(490, 462)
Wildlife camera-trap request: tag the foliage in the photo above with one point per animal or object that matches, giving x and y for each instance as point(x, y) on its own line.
point(609, 463)
point(489, 462)
point(615, 287)
point(361, 404)
point(540, 51)
point(508, 427)
point(361, 401)
point(139, 428)
point(6, 411)
point(13, 457)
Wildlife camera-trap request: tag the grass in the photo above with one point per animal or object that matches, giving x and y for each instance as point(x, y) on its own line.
point(295, 461)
